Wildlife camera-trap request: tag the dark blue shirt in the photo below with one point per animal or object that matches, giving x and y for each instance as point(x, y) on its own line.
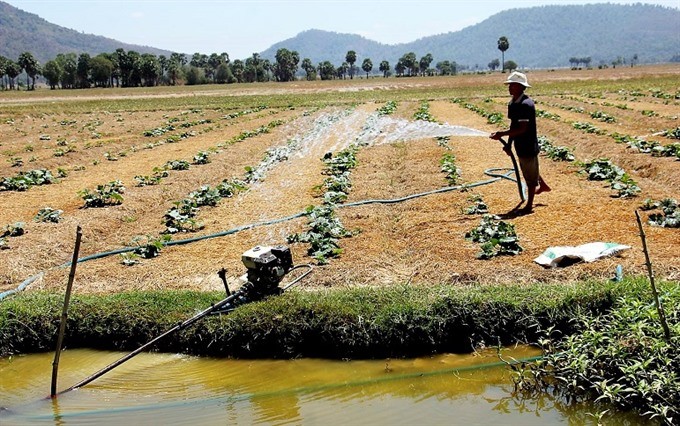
point(526, 144)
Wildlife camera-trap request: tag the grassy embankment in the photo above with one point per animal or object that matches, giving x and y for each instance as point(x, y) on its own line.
point(602, 339)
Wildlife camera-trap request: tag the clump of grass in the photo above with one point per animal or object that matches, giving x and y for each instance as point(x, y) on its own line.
point(621, 358)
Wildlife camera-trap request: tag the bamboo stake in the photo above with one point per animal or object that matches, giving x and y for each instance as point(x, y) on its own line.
point(64, 313)
point(659, 306)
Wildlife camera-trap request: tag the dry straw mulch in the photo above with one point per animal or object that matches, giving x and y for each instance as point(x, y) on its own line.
point(420, 241)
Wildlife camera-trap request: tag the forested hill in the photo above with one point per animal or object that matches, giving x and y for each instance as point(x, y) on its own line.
point(26, 32)
point(546, 36)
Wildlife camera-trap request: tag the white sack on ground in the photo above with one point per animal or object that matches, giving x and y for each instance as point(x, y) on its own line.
point(567, 255)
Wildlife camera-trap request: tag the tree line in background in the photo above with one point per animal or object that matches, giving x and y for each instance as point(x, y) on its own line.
point(132, 69)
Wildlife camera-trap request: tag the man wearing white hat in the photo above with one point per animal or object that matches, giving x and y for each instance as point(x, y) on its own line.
point(522, 131)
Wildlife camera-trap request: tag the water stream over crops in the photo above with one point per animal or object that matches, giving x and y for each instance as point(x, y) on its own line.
point(177, 389)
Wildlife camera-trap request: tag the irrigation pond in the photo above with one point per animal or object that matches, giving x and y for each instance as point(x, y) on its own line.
point(178, 389)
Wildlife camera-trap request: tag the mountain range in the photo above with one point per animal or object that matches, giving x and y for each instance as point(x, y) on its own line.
point(539, 37)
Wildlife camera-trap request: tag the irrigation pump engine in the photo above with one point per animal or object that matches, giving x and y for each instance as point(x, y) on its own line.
point(266, 267)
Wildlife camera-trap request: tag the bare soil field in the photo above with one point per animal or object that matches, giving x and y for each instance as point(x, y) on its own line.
point(80, 137)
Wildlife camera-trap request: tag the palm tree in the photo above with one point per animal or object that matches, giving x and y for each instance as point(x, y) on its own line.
point(503, 45)
point(385, 68)
point(351, 58)
point(367, 66)
point(31, 66)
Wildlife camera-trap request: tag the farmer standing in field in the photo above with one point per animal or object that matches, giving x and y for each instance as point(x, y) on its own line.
point(522, 131)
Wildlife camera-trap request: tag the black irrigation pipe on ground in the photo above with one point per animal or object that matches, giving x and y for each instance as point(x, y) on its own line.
point(495, 173)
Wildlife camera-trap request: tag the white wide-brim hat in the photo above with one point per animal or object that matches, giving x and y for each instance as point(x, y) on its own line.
point(518, 77)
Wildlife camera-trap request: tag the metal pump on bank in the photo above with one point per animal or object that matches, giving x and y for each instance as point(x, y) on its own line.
point(266, 268)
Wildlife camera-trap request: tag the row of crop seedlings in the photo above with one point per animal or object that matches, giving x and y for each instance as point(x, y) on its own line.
point(176, 123)
point(24, 180)
point(324, 227)
point(637, 143)
point(632, 95)
point(183, 216)
point(448, 160)
point(180, 218)
point(62, 145)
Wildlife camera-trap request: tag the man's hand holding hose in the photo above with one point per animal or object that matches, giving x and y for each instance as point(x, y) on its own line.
point(507, 146)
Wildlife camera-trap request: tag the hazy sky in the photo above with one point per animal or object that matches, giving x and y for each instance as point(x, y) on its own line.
point(241, 27)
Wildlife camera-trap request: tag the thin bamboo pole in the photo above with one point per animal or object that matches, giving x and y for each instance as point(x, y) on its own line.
point(659, 306)
point(64, 313)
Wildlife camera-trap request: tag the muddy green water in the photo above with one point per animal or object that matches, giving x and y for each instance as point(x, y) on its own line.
point(166, 389)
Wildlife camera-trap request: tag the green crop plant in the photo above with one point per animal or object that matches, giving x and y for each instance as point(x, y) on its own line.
point(341, 162)
point(620, 181)
point(205, 196)
point(448, 166)
point(389, 108)
point(181, 218)
point(15, 229)
point(588, 128)
point(602, 169)
point(48, 214)
point(545, 114)
point(496, 237)
point(159, 131)
point(202, 157)
point(177, 165)
point(669, 217)
point(556, 153)
point(443, 141)
point(672, 133)
point(110, 157)
point(105, 195)
point(146, 247)
point(625, 187)
point(23, 181)
point(325, 229)
point(153, 179)
point(229, 187)
point(479, 206)
point(423, 113)
point(602, 116)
